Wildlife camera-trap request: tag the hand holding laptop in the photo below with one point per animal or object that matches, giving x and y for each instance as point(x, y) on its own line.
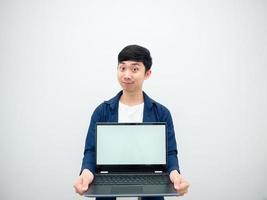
point(82, 183)
point(180, 184)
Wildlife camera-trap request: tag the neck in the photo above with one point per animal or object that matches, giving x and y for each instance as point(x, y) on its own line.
point(132, 98)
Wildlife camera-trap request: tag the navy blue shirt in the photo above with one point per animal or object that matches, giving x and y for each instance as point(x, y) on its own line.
point(108, 112)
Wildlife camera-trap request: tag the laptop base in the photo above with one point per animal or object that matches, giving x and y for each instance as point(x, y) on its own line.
point(130, 190)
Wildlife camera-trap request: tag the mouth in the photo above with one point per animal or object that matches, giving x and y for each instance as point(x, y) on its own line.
point(127, 83)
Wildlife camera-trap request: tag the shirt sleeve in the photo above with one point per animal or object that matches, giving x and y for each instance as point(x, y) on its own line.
point(89, 158)
point(172, 160)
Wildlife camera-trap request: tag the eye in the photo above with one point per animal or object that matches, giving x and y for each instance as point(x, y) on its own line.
point(122, 68)
point(135, 69)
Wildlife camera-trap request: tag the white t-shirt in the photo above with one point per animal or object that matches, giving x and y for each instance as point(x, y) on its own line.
point(131, 113)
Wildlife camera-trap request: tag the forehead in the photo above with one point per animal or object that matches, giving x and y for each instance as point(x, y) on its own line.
point(131, 62)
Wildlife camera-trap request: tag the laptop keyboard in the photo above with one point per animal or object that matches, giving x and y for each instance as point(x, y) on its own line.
point(131, 179)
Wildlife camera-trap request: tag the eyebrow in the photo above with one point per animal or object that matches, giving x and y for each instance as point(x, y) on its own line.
point(136, 63)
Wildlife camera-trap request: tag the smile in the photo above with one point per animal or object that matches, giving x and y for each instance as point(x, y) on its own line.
point(127, 83)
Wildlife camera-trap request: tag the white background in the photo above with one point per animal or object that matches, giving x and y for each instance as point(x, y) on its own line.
point(58, 62)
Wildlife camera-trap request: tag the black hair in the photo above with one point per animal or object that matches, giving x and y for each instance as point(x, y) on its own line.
point(136, 53)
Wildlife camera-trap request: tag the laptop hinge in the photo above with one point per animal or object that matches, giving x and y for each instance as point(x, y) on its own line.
point(157, 172)
point(103, 172)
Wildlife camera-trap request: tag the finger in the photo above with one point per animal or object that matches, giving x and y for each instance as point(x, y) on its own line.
point(78, 189)
point(177, 184)
point(175, 179)
point(85, 183)
point(183, 192)
point(184, 185)
point(78, 186)
point(183, 189)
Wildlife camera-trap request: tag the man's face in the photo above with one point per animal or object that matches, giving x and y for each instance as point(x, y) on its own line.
point(131, 75)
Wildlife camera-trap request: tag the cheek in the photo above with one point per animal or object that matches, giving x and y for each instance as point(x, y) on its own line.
point(141, 77)
point(118, 75)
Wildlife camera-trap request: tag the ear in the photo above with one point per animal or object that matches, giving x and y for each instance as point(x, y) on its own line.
point(147, 74)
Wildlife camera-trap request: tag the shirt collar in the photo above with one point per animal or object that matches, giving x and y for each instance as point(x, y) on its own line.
point(114, 102)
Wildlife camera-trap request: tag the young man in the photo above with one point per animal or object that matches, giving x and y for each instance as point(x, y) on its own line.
point(131, 105)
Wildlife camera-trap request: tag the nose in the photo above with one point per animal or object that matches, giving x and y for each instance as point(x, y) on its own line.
point(127, 75)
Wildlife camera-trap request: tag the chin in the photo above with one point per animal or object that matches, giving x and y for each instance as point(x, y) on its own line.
point(127, 89)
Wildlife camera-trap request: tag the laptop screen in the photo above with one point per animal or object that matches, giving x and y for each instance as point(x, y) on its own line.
point(131, 144)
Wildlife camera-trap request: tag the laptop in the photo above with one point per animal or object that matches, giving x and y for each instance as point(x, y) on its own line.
point(131, 161)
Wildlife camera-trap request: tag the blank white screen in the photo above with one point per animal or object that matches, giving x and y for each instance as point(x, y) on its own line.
point(131, 144)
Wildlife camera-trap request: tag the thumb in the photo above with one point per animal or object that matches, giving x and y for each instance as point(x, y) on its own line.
point(176, 184)
point(176, 180)
point(85, 183)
